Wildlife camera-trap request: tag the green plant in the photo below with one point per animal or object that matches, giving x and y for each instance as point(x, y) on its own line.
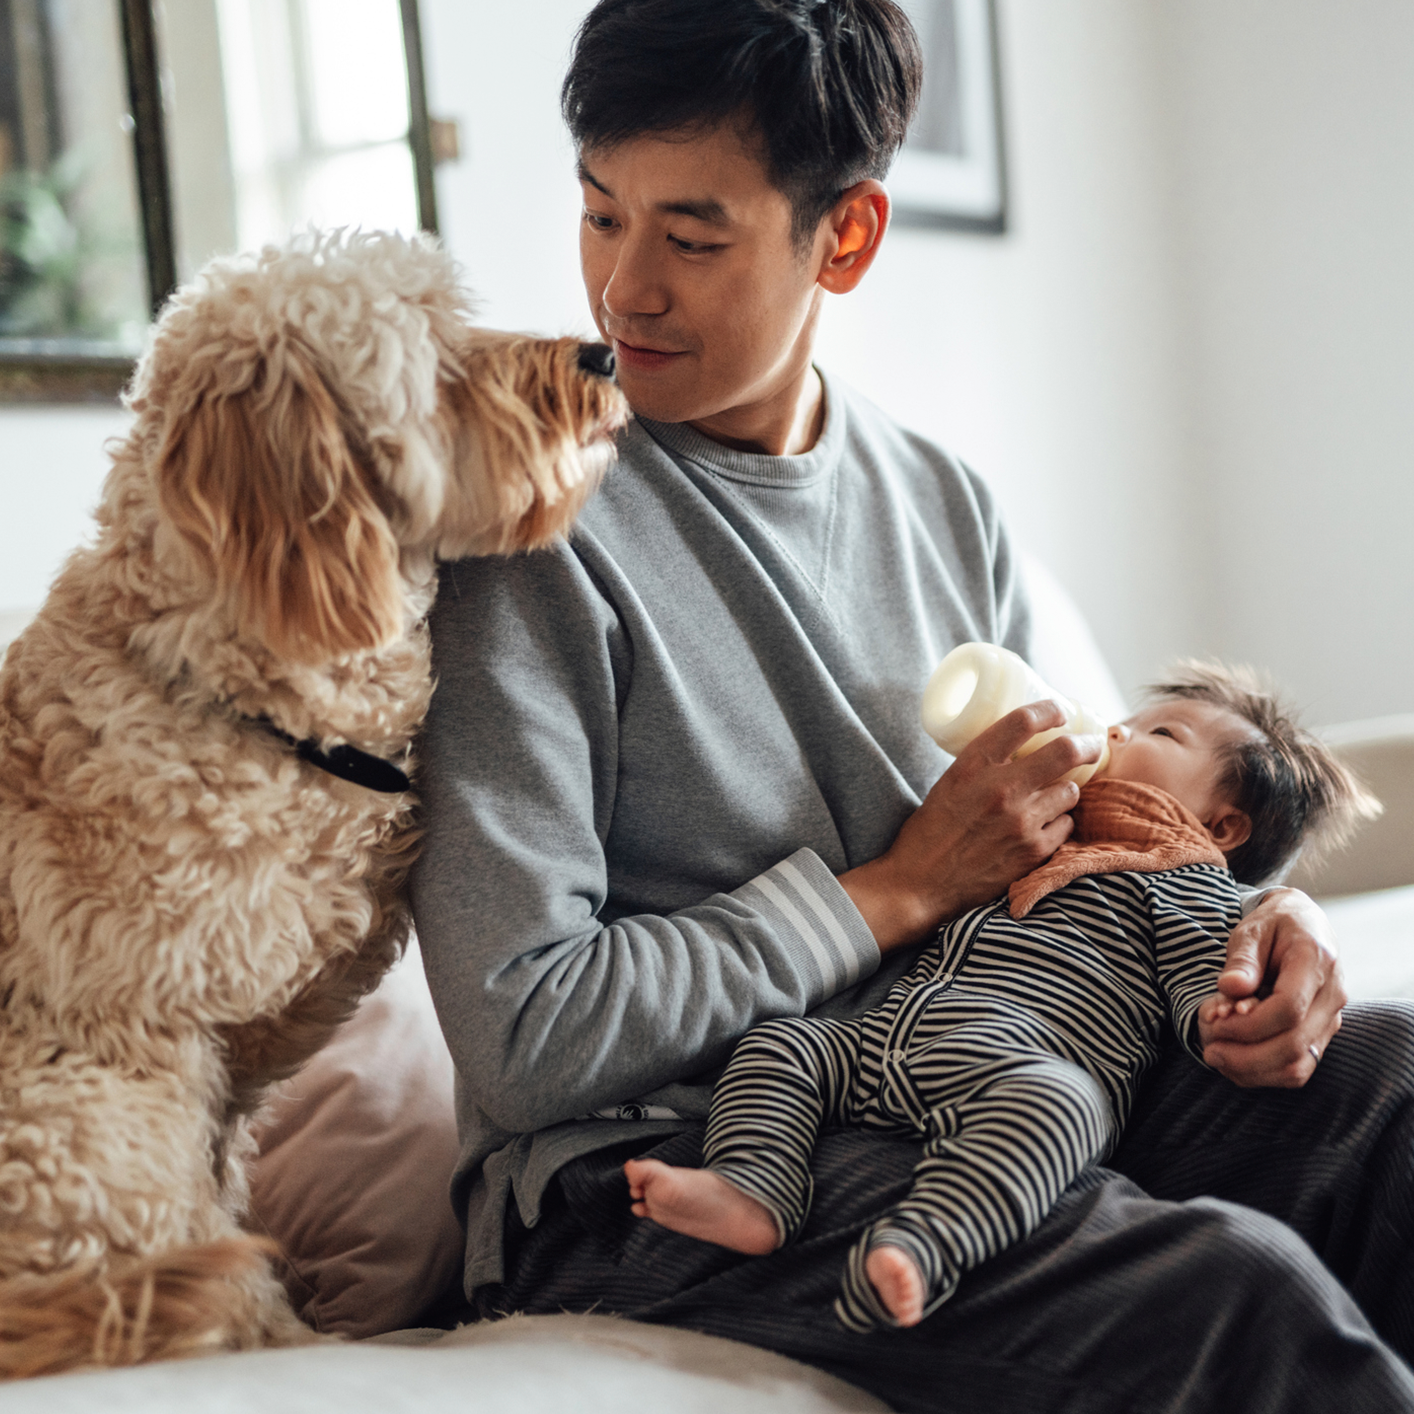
point(46, 255)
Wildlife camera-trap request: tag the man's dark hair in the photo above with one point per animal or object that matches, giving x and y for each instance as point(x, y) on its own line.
point(1288, 782)
point(829, 85)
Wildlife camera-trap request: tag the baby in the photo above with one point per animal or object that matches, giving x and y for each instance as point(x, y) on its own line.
point(1015, 1045)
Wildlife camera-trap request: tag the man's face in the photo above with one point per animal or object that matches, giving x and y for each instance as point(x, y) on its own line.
point(692, 274)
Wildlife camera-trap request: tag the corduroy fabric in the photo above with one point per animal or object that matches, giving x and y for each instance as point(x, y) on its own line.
point(1122, 1302)
point(1334, 1160)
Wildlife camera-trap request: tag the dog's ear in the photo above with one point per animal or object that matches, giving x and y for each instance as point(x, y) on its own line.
point(263, 484)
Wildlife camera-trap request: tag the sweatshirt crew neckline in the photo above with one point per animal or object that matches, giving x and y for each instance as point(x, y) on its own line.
point(758, 468)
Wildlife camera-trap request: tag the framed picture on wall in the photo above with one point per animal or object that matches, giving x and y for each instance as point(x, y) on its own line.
point(952, 170)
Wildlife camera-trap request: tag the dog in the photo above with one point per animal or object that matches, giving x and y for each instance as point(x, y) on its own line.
point(205, 736)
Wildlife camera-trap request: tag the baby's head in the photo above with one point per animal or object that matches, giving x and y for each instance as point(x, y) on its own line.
point(1225, 748)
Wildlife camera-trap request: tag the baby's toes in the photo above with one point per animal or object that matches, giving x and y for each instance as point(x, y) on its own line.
point(898, 1281)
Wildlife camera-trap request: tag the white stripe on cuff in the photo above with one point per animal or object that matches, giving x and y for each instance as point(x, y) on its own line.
point(829, 971)
point(848, 954)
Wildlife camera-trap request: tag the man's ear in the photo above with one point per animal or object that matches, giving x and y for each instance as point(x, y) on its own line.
point(853, 230)
point(1229, 827)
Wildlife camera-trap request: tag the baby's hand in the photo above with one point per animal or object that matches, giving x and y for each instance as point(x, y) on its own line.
point(1219, 1008)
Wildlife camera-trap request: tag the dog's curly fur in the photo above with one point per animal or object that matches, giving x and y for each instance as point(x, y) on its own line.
point(187, 908)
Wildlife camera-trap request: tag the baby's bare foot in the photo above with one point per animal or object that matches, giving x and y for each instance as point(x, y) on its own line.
point(898, 1281)
point(697, 1203)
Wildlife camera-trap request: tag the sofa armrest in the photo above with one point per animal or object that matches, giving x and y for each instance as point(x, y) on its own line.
point(1381, 856)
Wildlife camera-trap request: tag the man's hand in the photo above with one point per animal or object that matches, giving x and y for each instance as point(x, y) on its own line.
point(1282, 955)
point(987, 821)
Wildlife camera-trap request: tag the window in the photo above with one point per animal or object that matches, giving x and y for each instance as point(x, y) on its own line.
point(72, 272)
point(138, 139)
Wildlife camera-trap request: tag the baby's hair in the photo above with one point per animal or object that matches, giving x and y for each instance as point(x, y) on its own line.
point(1286, 779)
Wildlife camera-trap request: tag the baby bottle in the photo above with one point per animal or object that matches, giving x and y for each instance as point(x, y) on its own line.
point(978, 684)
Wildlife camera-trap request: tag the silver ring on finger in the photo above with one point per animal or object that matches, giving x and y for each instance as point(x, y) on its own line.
point(1315, 1054)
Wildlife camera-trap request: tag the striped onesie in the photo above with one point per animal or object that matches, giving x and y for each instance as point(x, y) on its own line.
point(1014, 1047)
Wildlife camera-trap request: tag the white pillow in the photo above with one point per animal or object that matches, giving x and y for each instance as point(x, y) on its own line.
point(1064, 650)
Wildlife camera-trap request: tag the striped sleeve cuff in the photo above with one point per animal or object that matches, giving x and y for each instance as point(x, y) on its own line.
point(1255, 898)
point(1185, 1026)
point(816, 922)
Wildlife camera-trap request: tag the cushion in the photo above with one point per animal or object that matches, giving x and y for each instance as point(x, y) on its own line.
point(523, 1365)
point(1374, 931)
point(355, 1158)
point(1381, 753)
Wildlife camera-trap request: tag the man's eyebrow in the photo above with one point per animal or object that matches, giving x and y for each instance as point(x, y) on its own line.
point(707, 210)
point(588, 177)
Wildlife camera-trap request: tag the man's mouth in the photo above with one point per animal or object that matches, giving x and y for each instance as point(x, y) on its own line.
point(640, 357)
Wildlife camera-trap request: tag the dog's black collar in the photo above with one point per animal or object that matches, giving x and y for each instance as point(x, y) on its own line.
point(348, 763)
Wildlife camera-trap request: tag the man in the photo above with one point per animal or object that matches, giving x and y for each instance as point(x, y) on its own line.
point(675, 785)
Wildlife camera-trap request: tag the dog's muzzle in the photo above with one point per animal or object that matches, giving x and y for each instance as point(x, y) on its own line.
point(597, 359)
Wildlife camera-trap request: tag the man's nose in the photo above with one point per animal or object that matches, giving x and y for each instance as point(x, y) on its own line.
point(636, 285)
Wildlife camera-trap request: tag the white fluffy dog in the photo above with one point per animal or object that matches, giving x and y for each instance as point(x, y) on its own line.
point(204, 821)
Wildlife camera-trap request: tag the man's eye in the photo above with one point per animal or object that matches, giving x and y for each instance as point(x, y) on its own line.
point(597, 222)
point(692, 247)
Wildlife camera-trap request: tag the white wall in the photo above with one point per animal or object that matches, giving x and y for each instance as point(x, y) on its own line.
point(52, 465)
point(509, 210)
point(1293, 133)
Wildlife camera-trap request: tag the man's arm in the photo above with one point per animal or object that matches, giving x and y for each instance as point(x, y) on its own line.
point(1283, 953)
point(549, 1012)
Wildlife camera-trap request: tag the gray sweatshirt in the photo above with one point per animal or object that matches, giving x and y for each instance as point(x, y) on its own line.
point(650, 752)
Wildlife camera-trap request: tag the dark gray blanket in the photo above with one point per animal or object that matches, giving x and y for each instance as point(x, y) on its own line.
point(1245, 1251)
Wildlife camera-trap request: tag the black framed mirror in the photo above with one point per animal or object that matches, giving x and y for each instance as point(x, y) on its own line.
point(139, 138)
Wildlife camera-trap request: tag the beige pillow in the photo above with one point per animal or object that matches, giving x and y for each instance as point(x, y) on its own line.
point(355, 1158)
